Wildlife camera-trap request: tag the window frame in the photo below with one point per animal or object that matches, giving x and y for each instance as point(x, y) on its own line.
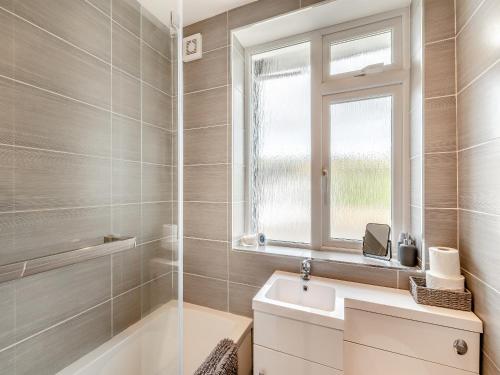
point(395, 77)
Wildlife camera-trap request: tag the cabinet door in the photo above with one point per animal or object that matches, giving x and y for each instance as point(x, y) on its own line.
point(271, 362)
point(363, 360)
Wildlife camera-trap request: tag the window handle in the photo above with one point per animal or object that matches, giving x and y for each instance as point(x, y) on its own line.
point(326, 186)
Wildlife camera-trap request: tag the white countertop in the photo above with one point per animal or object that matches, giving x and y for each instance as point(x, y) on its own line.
point(394, 302)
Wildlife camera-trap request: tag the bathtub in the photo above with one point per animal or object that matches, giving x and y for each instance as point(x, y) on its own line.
point(149, 347)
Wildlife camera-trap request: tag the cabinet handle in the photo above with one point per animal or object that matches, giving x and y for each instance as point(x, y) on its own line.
point(460, 346)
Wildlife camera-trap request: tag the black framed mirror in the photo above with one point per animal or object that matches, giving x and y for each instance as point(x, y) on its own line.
point(377, 241)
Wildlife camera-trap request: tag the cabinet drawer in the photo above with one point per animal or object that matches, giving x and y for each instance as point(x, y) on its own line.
point(425, 341)
point(270, 362)
point(311, 342)
point(363, 360)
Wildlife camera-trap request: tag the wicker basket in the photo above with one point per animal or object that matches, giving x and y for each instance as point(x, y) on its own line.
point(441, 298)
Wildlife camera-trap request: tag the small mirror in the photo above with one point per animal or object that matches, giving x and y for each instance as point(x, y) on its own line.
point(377, 241)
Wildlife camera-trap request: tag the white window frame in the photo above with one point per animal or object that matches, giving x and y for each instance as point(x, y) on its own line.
point(394, 78)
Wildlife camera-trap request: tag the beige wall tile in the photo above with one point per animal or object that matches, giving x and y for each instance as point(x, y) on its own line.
point(479, 182)
point(255, 268)
point(488, 367)
point(156, 34)
point(209, 72)
point(7, 108)
point(8, 361)
point(441, 180)
point(77, 336)
point(214, 31)
point(7, 178)
point(240, 299)
point(205, 292)
point(126, 310)
point(48, 62)
point(440, 69)
point(464, 11)
point(127, 220)
point(439, 19)
point(156, 107)
point(155, 216)
point(440, 124)
point(156, 69)
point(128, 14)
point(206, 258)
point(156, 145)
point(206, 183)
point(156, 259)
point(48, 121)
point(260, 10)
point(206, 108)
point(486, 303)
point(126, 182)
point(206, 146)
point(126, 138)
point(475, 49)
point(206, 220)
point(74, 21)
point(6, 44)
point(478, 249)
point(49, 180)
point(8, 313)
point(156, 183)
point(47, 298)
point(440, 228)
point(156, 293)
point(126, 51)
point(103, 5)
point(478, 113)
point(126, 271)
point(356, 273)
point(126, 95)
point(40, 233)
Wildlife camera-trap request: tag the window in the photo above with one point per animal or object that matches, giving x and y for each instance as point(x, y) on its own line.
point(280, 144)
point(325, 135)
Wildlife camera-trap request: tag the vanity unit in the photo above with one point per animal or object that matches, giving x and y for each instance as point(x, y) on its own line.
point(331, 327)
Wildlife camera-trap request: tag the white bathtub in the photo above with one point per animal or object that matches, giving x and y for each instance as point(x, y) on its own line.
point(149, 347)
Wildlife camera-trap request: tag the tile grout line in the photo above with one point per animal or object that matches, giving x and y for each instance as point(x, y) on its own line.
point(466, 23)
point(481, 280)
point(229, 219)
point(478, 77)
point(456, 128)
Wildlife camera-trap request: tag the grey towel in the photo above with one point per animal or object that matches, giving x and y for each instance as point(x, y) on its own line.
point(223, 360)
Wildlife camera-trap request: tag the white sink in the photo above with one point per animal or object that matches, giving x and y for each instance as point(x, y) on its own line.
point(285, 294)
point(310, 293)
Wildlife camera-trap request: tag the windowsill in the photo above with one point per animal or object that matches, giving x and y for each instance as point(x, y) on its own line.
point(339, 256)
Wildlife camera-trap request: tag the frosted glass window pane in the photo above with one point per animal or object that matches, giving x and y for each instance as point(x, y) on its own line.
point(360, 166)
point(280, 146)
point(354, 55)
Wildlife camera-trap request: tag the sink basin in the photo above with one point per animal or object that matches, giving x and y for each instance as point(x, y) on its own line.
point(303, 293)
point(285, 295)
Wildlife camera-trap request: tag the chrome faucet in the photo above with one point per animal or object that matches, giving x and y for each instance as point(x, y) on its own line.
point(305, 269)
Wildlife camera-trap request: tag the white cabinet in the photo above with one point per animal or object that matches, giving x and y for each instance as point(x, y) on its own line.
point(295, 347)
point(389, 345)
point(364, 360)
point(271, 362)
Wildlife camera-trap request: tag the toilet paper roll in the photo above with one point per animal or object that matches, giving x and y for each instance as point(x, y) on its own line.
point(444, 261)
point(434, 281)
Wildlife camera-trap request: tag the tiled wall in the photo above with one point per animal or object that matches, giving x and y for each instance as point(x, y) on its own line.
point(85, 150)
point(439, 130)
point(215, 275)
point(478, 128)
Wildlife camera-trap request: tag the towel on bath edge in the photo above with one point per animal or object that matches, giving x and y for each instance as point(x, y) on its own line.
point(223, 360)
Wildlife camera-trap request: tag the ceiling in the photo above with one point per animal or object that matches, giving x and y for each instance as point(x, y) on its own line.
point(197, 10)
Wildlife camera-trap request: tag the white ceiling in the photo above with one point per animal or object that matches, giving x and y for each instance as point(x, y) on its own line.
point(197, 10)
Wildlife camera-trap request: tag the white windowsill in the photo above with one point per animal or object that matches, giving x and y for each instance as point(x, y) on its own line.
point(340, 256)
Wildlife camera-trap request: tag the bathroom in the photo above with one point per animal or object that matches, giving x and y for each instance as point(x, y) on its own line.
point(249, 187)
